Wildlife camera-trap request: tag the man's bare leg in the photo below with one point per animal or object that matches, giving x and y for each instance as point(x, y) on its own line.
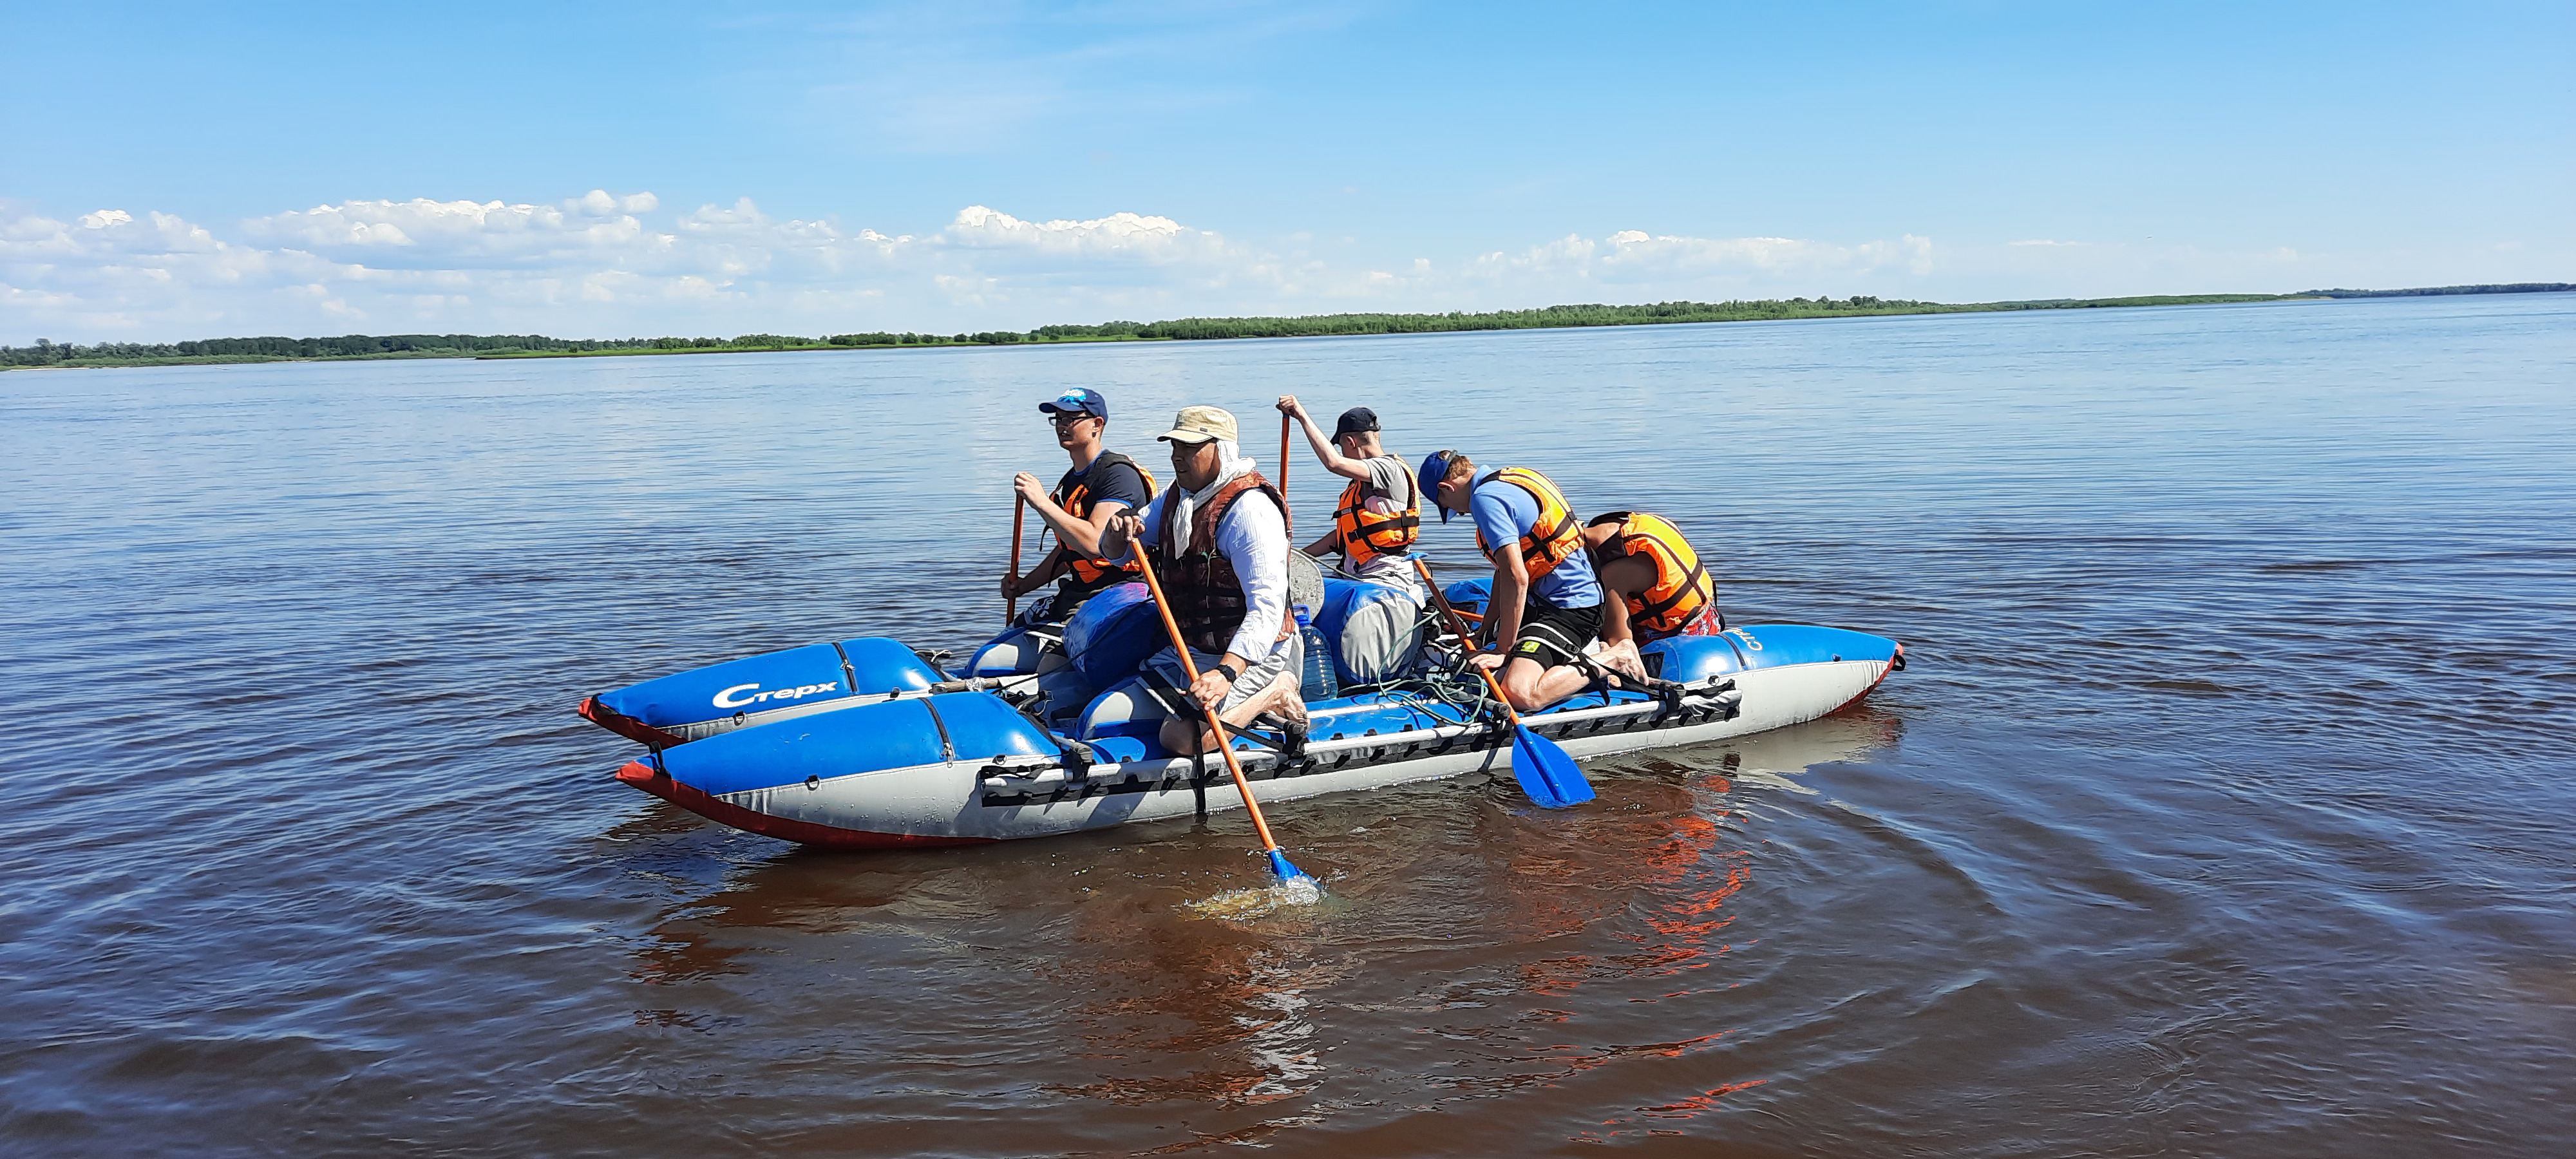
point(1191, 737)
point(1530, 687)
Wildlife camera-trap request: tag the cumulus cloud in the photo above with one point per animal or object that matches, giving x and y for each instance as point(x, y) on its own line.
point(107, 271)
point(599, 263)
point(458, 233)
point(617, 264)
point(1125, 234)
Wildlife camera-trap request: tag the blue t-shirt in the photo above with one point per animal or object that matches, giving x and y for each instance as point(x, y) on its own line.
point(1504, 513)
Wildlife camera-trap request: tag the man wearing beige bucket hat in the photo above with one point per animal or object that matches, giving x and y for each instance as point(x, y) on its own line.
point(1222, 556)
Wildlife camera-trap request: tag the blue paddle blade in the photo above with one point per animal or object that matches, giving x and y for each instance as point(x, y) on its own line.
point(1546, 771)
point(1279, 865)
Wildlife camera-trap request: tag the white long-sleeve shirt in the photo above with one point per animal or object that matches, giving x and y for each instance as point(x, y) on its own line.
point(1254, 538)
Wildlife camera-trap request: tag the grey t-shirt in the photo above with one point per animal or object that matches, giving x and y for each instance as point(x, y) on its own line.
point(1389, 486)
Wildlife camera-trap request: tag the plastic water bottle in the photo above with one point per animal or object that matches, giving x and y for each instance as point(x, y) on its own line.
point(1317, 678)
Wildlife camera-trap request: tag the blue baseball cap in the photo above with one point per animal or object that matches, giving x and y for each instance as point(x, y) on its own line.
point(1435, 467)
point(1078, 400)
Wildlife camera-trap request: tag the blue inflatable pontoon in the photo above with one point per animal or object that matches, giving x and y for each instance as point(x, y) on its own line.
point(867, 744)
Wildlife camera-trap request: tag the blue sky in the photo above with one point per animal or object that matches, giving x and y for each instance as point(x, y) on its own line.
point(191, 170)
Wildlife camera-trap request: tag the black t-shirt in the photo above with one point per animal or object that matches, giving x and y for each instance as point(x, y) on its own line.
point(1121, 482)
point(1104, 481)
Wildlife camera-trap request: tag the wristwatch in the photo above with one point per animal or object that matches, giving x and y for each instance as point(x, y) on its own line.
point(1231, 674)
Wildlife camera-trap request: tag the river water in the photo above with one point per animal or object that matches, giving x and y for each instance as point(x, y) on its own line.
point(2224, 809)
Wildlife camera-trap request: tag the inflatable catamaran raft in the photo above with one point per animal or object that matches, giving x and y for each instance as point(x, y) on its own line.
point(867, 743)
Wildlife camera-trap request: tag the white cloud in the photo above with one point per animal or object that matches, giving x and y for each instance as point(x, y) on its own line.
point(977, 225)
point(605, 264)
point(456, 233)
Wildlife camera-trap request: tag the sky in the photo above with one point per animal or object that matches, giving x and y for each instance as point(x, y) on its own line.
point(182, 171)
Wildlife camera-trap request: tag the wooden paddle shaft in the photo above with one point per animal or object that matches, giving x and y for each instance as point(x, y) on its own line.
point(1190, 668)
point(1285, 421)
point(1465, 639)
point(1019, 507)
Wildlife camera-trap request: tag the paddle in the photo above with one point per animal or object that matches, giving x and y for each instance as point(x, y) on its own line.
point(1224, 744)
point(1011, 606)
point(1545, 770)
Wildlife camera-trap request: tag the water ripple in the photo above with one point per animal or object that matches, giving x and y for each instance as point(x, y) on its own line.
point(2220, 811)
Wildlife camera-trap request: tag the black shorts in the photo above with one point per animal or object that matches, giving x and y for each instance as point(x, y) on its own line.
point(1555, 636)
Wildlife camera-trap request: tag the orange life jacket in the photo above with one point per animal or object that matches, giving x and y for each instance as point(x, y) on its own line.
point(1681, 586)
point(1553, 537)
point(1368, 534)
point(1207, 599)
point(1091, 574)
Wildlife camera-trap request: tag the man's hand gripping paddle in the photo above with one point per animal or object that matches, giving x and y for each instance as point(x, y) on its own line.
point(1545, 770)
point(1224, 744)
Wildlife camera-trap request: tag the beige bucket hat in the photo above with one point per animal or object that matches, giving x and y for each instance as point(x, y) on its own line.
point(1198, 424)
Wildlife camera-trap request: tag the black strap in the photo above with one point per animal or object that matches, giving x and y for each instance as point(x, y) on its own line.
point(850, 676)
point(947, 746)
point(1690, 584)
point(1406, 522)
point(1565, 529)
point(1077, 755)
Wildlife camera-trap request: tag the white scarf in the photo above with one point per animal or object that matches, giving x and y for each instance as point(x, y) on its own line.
point(1231, 465)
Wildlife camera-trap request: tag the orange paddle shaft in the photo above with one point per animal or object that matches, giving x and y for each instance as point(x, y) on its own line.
point(1466, 640)
point(1224, 743)
point(1019, 507)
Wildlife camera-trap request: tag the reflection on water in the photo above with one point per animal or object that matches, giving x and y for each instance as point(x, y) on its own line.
point(1456, 905)
point(2139, 857)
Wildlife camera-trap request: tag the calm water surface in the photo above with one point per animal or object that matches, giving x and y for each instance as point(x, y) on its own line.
point(2224, 810)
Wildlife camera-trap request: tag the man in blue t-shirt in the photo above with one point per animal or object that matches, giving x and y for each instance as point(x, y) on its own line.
point(1546, 602)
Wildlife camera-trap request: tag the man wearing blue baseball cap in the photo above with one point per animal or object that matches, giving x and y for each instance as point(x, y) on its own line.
point(1101, 484)
point(1546, 604)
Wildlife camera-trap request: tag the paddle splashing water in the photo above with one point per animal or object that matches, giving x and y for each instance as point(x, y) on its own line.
point(1259, 901)
point(1295, 887)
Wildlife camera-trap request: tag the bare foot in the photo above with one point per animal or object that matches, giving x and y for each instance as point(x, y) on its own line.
point(1624, 659)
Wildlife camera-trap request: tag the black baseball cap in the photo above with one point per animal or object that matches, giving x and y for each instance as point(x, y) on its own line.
point(1077, 400)
point(1357, 420)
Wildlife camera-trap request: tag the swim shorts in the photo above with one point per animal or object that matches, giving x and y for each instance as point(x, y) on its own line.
point(1554, 636)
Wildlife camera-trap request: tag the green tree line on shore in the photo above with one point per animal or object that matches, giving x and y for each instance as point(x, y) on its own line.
point(2444, 291)
point(365, 346)
point(361, 346)
point(1551, 317)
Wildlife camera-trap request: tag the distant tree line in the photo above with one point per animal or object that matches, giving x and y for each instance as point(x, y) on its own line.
point(1317, 325)
point(46, 352)
point(348, 346)
point(984, 338)
point(2437, 291)
point(353, 346)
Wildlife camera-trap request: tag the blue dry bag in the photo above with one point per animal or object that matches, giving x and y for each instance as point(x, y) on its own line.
point(1113, 632)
